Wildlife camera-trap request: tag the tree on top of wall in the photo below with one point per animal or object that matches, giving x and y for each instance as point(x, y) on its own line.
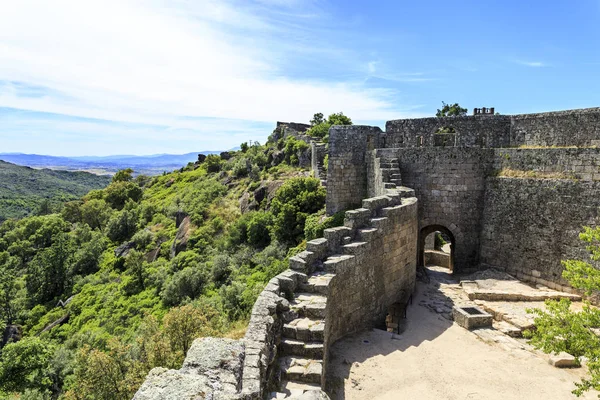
point(451, 110)
point(561, 329)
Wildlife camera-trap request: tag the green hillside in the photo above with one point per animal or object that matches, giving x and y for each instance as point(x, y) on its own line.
point(123, 279)
point(23, 190)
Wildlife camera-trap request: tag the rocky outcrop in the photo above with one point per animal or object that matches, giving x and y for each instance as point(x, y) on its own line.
point(212, 370)
point(266, 191)
point(12, 333)
point(182, 236)
point(124, 249)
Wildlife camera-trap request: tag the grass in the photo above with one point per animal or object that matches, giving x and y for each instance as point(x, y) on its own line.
point(530, 174)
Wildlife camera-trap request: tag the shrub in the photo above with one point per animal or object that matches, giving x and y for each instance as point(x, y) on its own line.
point(317, 223)
point(212, 163)
point(292, 203)
point(185, 284)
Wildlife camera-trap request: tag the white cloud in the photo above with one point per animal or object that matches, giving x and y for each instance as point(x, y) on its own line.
point(533, 64)
point(157, 61)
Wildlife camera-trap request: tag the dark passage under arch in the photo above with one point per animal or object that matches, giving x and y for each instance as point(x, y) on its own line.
point(426, 231)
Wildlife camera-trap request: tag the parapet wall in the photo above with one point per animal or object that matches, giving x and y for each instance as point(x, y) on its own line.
point(562, 128)
point(379, 268)
point(471, 131)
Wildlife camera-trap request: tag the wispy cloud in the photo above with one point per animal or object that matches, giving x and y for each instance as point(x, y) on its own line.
point(532, 64)
point(376, 69)
point(160, 61)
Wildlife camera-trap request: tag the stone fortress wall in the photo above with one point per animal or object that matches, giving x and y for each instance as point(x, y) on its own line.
point(514, 191)
point(345, 282)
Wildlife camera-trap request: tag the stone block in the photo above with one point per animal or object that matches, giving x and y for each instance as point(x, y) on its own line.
point(471, 317)
point(563, 360)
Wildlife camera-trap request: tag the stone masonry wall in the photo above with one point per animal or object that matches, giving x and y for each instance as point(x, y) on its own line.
point(346, 172)
point(471, 131)
point(562, 128)
point(450, 186)
point(530, 225)
point(578, 163)
point(380, 272)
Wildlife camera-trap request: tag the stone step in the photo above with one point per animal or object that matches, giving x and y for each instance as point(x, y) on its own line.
point(507, 328)
point(317, 283)
point(396, 181)
point(338, 261)
point(299, 348)
point(295, 389)
point(389, 185)
point(355, 248)
point(396, 176)
point(306, 329)
point(366, 234)
point(298, 369)
point(310, 305)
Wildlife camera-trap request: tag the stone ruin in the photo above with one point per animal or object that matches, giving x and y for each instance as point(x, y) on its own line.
point(511, 192)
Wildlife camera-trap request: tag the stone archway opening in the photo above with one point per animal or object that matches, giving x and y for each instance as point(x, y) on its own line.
point(436, 246)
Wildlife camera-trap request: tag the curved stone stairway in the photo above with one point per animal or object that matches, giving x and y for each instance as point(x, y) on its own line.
point(301, 350)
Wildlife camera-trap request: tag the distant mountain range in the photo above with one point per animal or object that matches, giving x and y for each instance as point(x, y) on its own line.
point(149, 165)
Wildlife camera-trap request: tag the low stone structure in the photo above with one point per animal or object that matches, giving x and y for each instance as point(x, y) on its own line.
point(471, 317)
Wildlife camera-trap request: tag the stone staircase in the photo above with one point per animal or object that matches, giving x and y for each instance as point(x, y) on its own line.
point(302, 348)
point(390, 171)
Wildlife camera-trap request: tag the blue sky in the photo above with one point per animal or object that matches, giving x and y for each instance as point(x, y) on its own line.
point(153, 76)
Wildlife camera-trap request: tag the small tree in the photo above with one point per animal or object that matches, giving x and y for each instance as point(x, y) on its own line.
point(25, 365)
point(184, 324)
point(560, 329)
point(124, 175)
point(451, 110)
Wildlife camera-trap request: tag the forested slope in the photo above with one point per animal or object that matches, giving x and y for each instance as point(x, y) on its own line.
point(122, 280)
point(24, 190)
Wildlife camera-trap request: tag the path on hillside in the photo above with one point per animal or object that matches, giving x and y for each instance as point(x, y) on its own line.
point(434, 359)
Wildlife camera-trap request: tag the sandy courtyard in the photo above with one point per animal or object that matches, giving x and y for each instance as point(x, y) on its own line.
point(435, 359)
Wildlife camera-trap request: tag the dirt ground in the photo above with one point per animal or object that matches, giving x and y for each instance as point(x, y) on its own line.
point(434, 359)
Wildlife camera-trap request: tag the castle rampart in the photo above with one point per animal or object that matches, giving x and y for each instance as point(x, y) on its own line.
point(493, 184)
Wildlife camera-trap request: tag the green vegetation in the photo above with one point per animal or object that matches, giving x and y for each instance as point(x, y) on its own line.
point(25, 191)
point(560, 329)
point(110, 286)
point(449, 110)
point(320, 126)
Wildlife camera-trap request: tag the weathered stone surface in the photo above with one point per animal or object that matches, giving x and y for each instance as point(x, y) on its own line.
point(471, 317)
point(12, 333)
point(182, 237)
point(563, 360)
point(212, 369)
point(124, 249)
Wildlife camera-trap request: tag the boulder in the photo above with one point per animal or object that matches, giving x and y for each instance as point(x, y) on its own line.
point(201, 158)
point(124, 249)
point(12, 333)
point(225, 155)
